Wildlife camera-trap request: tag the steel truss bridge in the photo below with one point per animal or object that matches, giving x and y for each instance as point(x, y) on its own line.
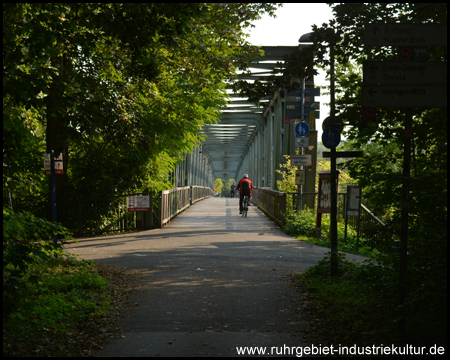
point(251, 139)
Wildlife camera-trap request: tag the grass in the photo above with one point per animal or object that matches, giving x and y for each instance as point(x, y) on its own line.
point(64, 310)
point(360, 305)
point(353, 308)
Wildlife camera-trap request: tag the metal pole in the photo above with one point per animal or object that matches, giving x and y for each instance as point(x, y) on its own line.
point(333, 221)
point(52, 167)
point(404, 219)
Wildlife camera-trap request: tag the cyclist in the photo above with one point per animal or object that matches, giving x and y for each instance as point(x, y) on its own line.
point(245, 187)
point(233, 188)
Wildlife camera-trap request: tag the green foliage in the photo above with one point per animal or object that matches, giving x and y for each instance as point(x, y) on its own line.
point(122, 90)
point(26, 240)
point(301, 223)
point(360, 306)
point(349, 304)
point(66, 298)
point(287, 171)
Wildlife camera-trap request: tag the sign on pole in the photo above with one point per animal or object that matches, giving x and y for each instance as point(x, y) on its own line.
point(301, 142)
point(324, 201)
point(300, 177)
point(404, 96)
point(405, 34)
point(138, 203)
point(302, 129)
point(301, 160)
point(331, 138)
point(404, 73)
point(58, 163)
point(353, 200)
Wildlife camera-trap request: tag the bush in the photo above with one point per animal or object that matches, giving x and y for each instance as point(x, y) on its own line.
point(26, 240)
point(301, 223)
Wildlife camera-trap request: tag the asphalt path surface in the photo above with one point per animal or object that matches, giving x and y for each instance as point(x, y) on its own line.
point(209, 282)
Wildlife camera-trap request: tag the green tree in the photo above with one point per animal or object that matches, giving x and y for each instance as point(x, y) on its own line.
point(121, 90)
point(380, 170)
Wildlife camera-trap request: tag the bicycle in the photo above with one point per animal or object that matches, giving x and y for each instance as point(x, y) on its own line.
point(245, 206)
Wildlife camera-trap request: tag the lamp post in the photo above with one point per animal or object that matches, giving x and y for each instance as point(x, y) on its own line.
point(334, 264)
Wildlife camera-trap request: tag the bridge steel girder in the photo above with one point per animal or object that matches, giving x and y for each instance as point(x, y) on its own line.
point(247, 138)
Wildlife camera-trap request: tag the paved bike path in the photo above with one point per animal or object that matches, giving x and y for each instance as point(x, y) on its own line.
point(210, 281)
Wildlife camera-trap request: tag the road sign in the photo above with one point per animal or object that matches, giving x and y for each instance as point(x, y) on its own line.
point(404, 96)
point(300, 160)
point(301, 142)
point(369, 114)
point(302, 129)
point(331, 138)
point(59, 170)
point(405, 34)
point(404, 73)
point(300, 177)
point(338, 124)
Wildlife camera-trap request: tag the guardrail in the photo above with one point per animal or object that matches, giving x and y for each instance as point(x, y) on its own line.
point(174, 201)
point(272, 203)
point(93, 217)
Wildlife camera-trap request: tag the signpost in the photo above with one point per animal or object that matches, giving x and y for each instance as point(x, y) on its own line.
point(353, 208)
point(138, 203)
point(53, 166)
point(409, 85)
point(301, 160)
point(324, 201)
point(405, 34)
point(331, 138)
point(404, 96)
point(301, 142)
point(404, 73)
point(302, 129)
point(58, 164)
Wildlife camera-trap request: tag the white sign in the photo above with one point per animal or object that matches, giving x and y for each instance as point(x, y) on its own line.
point(59, 170)
point(404, 73)
point(405, 34)
point(404, 96)
point(138, 203)
point(300, 160)
point(301, 142)
point(353, 200)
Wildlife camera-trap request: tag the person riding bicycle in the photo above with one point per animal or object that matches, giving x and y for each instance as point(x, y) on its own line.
point(245, 187)
point(233, 189)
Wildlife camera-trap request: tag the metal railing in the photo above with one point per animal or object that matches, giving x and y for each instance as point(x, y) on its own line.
point(174, 201)
point(372, 230)
point(272, 203)
point(110, 214)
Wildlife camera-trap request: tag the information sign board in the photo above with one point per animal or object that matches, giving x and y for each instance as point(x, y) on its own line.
point(301, 160)
point(405, 34)
point(404, 96)
point(300, 177)
point(353, 200)
point(138, 203)
point(404, 73)
point(59, 170)
point(324, 200)
point(301, 142)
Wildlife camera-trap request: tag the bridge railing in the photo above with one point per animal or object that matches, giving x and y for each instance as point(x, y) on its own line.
point(91, 217)
point(272, 203)
point(174, 201)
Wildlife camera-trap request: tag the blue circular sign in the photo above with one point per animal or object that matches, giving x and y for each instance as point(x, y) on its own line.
point(302, 129)
point(331, 138)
